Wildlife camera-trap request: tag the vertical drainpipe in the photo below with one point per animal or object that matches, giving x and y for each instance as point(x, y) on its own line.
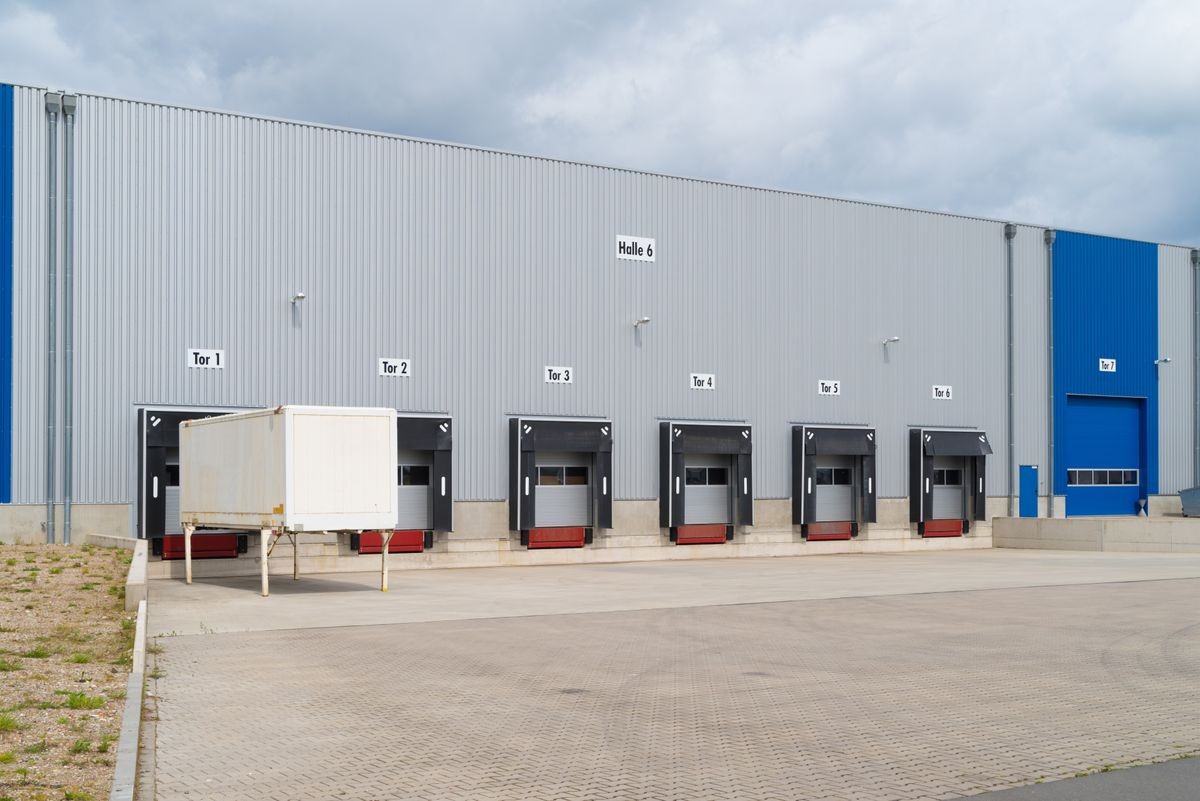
point(1010, 231)
point(53, 105)
point(1195, 368)
point(68, 103)
point(1049, 239)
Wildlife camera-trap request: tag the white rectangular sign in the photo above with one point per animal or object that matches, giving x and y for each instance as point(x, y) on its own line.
point(1108, 365)
point(637, 248)
point(703, 381)
point(395, 368)
point(943, 393)
point(559, 375)
point(206, 359)
point(829, 386)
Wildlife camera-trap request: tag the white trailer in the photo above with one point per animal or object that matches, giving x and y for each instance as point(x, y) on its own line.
point(287, 470)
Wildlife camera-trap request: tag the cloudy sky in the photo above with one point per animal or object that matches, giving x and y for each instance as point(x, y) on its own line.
point(1082, 115)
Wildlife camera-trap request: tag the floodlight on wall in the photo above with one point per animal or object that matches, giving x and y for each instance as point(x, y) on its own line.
point(890, 340)
point(1162, 360)
point(299, 296)
point(639, 322)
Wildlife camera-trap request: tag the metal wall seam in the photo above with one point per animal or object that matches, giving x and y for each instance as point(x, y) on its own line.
point(6, 292)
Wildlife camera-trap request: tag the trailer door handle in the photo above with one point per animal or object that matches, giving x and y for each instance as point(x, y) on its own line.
point(155, 491)
point(443, 486)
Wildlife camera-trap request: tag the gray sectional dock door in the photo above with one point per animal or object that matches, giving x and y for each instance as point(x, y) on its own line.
point(564, 492)
point(949, 488)
point(414, 500)
point(834, 488)
point(709, 489)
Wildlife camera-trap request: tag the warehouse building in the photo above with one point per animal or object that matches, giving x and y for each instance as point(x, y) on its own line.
point(590, 363)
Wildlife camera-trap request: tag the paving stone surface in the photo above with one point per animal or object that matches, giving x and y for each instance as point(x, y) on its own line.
point(932, 696)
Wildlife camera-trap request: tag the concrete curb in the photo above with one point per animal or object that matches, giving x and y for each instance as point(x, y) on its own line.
point(125, 776)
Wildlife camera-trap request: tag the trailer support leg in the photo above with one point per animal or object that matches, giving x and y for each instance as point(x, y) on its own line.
point(295, 557)
point(266, 553)
point(383, 569)
point(188, 528)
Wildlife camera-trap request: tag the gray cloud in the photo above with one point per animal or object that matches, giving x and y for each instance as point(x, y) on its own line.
point(1074, 114)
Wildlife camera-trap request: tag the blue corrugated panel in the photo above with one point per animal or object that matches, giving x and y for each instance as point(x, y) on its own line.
point(6, 290)
point(1105, 308)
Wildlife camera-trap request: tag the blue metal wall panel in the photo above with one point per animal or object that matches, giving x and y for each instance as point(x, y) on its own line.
point(6, 290)
point(1105, 307)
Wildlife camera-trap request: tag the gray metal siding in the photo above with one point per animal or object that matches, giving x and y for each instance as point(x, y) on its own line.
point(195, 227)
point(1175, 380)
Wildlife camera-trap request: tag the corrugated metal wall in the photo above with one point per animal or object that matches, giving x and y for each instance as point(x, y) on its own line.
point(195, 228)
point(1032, 402)
point(1105, 306)
point(1175, 380)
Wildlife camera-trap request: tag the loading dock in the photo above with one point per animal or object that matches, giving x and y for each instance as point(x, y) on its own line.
point(560, 480)
point(158, 487)
point(833, 480)
point(947, 480)
point(705, 481)
point(424, 496)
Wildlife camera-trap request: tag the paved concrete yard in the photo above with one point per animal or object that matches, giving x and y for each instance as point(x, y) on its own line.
point(226, 605)
point(877, 695)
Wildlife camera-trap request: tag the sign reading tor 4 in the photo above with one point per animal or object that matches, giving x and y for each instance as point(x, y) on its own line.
point(636, 248)
point(703, 381)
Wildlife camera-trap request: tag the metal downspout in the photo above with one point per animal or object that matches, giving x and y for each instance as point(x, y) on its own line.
point(1010, 231)
point(53, 105)
point(1049, 239)
point(1195, 367)
point(68, 102)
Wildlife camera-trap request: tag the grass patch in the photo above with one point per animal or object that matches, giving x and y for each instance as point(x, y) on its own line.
point(87, 586)
point(81, 659)
point(105, 743)
point(40, 747)
point(84, 701)
point(8, 723)
point(8, 667)
point(76, 795)
point(154, 648)
point(54, 571)
point(7, 758)
point(39, 652)
point(81, 746)
point(10, 562)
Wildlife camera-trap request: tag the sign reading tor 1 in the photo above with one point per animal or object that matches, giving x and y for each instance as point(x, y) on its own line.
point(205, 359)
point(636, 248)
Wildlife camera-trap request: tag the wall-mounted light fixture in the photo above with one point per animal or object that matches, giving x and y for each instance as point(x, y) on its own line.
point(299, 296)
point(890, 340)
point(1162, 360)
point(639, 322)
